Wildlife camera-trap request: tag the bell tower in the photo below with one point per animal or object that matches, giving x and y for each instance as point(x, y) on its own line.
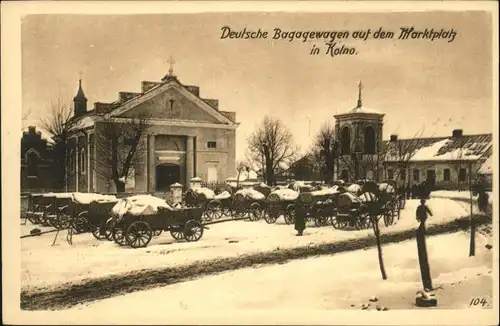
point(359, 136)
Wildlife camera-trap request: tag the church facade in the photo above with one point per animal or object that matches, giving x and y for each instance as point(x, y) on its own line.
point(448, 162)
point(185, 136)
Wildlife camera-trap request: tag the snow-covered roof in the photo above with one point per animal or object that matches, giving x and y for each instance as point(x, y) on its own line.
point(44, 134)
point(283, 165)
point(486, 167)
point(463, 148)
point(362, 110)
point(244, 175)
point(86, 122)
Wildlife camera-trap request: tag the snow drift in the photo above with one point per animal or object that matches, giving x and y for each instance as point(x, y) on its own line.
point(139, 205)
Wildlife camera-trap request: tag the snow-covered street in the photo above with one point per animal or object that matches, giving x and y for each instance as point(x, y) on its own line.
point(347, 281)
point(47, 266)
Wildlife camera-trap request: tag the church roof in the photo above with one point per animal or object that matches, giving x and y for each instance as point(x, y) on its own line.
point(462, 148)
point(360, 109)
point(80, 94)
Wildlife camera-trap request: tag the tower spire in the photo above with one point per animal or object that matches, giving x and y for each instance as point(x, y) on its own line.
point(360, 88)
point(80, 101)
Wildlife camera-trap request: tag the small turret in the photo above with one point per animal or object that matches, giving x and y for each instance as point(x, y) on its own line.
point(80, 101)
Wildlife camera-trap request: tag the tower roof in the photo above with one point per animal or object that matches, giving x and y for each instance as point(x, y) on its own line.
point(360, 109)
point(80, 94)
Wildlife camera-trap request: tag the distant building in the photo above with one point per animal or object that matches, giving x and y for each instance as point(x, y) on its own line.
point(445, 162)
point(187, 136)
point(36, 161)
point(304, 169)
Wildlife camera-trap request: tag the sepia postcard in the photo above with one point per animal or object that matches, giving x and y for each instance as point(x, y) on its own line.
point(306, 163)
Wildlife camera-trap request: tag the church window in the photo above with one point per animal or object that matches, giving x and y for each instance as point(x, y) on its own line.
point(345, 140)
point(369, 140)
point(416, 175)
point(462, 174)
point(32, 164)
point(82, 161)
point(446, 175)
point(402, 174)
point(211, 144)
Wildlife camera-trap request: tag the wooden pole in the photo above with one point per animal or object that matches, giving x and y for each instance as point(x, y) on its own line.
point(472, 247)
point(423, 258)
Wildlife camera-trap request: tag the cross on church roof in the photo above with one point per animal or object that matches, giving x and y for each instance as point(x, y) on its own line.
point(360, 87)
point(171, 62)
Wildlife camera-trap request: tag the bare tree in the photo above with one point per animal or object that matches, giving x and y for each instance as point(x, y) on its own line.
point(325, 150)
point(241, 166)
point(25, 114)
point(60, 123)
point(118, 146)
point(271, 143)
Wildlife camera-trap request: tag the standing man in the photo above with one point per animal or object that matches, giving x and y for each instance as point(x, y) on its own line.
point(422, 212)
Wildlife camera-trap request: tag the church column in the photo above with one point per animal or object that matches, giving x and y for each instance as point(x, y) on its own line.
point(77, 165)
point(189, 160)
point(151, 163)
point(87, 162)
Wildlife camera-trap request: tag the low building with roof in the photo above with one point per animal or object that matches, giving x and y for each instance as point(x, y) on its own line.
point(37, 161)
point(445, 162)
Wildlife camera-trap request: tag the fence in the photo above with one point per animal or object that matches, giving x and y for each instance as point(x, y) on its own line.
point(213, 185)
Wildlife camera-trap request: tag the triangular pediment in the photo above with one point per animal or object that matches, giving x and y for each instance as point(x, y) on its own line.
point(171, 101)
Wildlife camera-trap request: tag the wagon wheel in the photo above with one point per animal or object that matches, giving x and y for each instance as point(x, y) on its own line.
point(388, 218)
point(157, 232)
point(362, 222)
point(109, 229)
point(53, 221)
point(177, 234)
point(337, 223)
point(290, 214)
point(44, 221)
point(96, 232)
point(31, 218)
point(63, 220)
point(255, 212)
point(193, 231)
point(226, 211)
point(213, 211)
point(138, 234)
point(80, 224)
point(119, 235)
point(271, 215)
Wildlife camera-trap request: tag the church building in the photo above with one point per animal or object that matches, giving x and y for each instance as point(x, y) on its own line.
point(186, 136)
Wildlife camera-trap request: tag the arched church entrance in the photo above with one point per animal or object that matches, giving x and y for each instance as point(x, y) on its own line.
point(166, 175)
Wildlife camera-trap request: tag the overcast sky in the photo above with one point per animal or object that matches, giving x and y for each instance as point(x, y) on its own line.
point(412, 82)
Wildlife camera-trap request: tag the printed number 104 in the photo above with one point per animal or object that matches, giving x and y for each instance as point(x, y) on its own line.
point(478, 301)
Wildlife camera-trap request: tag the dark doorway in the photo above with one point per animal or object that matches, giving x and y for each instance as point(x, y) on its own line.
point(166, 175)
point(344, 175)
point(431, 178)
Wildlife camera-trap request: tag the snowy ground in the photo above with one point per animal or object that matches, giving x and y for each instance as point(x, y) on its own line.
point(46, 266)
point(463, 195)
point(347, 281)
